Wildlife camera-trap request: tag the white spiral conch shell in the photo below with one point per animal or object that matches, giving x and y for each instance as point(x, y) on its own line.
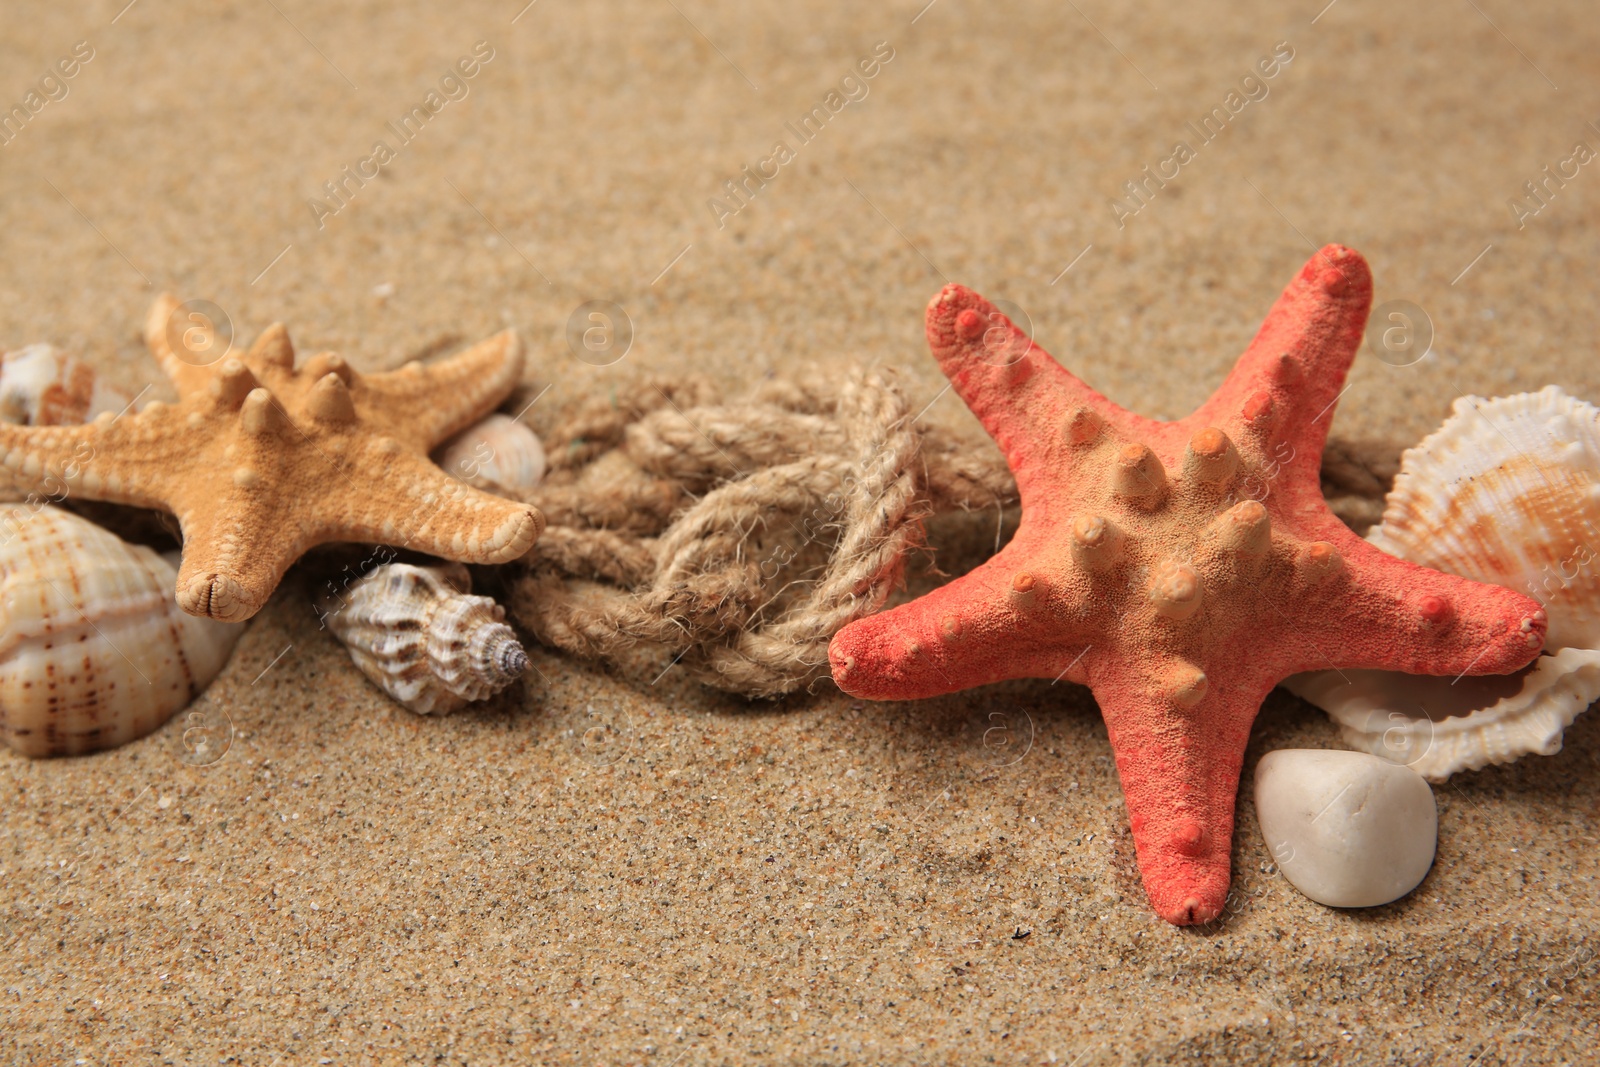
point(1507, 491)
point(94, 652)
point(422, 638)
point(497, 453)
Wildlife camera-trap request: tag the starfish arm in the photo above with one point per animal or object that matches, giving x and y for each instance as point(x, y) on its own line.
point(1294, 370)
point(978, 629)
point(1180, 774)
point(404, 500)
point(235, 555)
point(1388, 614)
point(429, 403)
point(49, 458)
point(185, 376)
point(1029, 403)
point(93, 461)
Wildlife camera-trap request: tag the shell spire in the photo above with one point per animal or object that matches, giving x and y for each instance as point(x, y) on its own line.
point(471, 652)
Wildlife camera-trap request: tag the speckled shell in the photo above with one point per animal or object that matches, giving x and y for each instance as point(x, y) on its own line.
point(1438, 726)
point(1507, 491)
point(498, 453)
point(42, 386)
point(94, 652)
point(420, 636)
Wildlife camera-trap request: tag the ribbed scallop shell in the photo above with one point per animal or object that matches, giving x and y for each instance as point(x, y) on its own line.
point(94, 652)
point(1507, 491)
point(1438, 726)
point(42, 386)
point(422, 638)
point(498, 453)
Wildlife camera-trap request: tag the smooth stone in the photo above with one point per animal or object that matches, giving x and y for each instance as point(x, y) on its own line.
point(1348, 829)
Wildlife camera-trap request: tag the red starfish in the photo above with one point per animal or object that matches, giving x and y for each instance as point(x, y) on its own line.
point(1179, 569)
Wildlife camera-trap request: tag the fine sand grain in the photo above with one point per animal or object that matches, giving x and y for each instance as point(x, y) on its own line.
point(600, 868)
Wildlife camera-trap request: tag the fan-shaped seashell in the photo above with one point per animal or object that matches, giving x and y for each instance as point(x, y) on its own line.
point(1507, 491)
point(94, 652)
point(42, 386)
point(498, 453)
point(422, 638)
point(1438, 726)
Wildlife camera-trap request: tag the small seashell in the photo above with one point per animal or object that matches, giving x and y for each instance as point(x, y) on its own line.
point(420, 636)
point(1507, 491)
point(498, 453)
point(42, 386)
point(1438, 726)
point(1347, 829)
point(94, 652)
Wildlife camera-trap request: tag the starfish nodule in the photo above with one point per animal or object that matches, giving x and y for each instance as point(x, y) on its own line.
point(1179, 569)
point(261, 460)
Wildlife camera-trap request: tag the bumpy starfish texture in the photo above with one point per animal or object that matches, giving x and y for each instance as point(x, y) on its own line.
point(1179, 569)
point(261, 460)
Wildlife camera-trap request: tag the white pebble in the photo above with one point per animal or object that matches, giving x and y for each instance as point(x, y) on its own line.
point(1348, 829)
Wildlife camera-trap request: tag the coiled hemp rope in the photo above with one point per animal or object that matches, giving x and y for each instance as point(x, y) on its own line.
point(741, 537)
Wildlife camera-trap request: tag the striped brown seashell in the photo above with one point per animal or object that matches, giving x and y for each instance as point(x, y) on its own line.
point(94, 652)
point(421, 637)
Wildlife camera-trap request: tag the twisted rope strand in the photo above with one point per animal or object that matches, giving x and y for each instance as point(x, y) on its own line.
point(740, 537)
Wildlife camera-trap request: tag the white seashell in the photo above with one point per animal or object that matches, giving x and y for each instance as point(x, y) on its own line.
point(42, 386)
point(94, 652)
point(1347, 829)
point(421, 638)
point(1438, 726)
point(496, 453)
point(1507, 491)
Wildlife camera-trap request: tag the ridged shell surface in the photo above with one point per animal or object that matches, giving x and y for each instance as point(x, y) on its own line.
point(1507, 491)
point(1438, 726)
point(420, 636)
point(498, 453)
point(94, 652)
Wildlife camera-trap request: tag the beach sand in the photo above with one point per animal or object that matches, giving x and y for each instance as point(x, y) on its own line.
point(816, 880)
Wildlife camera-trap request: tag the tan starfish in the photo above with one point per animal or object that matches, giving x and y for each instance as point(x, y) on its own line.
point(261, 460)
